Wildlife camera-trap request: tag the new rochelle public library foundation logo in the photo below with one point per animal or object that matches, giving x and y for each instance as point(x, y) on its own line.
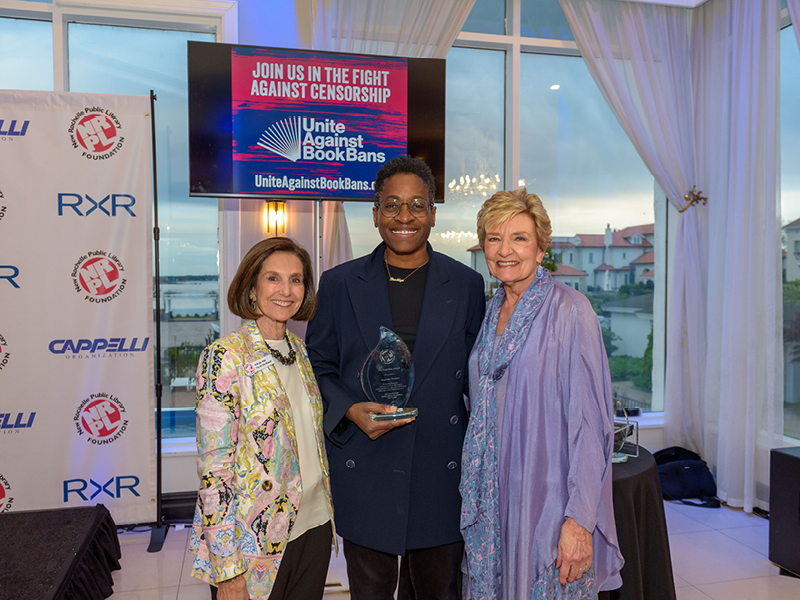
point(5, 495)
point(98, 274)
point(96, 133)
point(5, 355)
point(100, 417)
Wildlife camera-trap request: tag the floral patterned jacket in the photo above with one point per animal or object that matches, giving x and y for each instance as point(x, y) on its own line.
point(247, 461)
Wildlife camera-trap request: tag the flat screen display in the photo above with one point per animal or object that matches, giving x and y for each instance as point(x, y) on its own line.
point(277, 123)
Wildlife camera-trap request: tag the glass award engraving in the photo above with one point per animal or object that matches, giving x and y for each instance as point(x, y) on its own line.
point(388, 375)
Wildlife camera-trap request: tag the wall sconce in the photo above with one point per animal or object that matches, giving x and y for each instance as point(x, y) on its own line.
point(274, 217)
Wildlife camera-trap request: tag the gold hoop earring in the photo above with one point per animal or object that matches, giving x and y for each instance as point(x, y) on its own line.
point(253, 304)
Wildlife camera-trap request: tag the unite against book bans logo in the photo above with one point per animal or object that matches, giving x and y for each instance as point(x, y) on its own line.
point(98, 274)
point(307, 138)
point(96, 132)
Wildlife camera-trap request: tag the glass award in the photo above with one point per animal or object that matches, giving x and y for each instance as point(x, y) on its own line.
point(388, 375)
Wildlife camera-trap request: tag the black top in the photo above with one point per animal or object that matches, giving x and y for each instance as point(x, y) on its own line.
point(405, 300)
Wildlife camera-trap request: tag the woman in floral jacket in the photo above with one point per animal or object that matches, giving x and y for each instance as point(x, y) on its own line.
point(261, 529)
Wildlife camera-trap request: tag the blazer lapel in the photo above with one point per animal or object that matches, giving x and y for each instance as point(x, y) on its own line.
point(267, 377)
point(436, 320)
point(370, 298)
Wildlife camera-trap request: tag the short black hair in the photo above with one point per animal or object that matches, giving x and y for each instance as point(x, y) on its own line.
point(405, 164)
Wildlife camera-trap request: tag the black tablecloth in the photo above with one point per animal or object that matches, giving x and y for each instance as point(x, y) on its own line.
point(642, 532)
point(65, 553)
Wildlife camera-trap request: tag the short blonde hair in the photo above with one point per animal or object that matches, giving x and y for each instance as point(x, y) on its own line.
point(505, 205)
point(247, 276)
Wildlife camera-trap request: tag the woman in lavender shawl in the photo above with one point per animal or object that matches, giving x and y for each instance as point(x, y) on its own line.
point(537, 517)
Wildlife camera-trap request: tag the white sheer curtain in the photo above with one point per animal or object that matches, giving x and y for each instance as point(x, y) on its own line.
point(697, 92)
point(336, 247)
point(794, 15)
point(410, 28)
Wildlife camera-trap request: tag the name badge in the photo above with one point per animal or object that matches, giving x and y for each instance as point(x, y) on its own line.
point(259, 365)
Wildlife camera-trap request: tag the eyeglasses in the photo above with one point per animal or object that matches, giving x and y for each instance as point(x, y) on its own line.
point(392, 208)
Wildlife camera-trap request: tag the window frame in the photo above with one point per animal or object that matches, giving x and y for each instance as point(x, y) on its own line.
point(220, 17)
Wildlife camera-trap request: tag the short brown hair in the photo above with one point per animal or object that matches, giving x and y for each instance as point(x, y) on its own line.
point(247, 275)
point(505, 205)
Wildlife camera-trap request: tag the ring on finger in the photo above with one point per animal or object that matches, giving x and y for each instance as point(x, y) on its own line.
point(584, 568)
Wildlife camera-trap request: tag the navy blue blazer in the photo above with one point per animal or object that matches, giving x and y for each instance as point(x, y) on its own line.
point(400, 491)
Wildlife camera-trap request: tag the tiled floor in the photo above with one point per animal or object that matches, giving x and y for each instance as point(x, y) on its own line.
point(166, 575)
point(717, 554)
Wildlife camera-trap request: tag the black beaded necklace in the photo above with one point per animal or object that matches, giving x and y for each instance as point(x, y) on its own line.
point(284, 360)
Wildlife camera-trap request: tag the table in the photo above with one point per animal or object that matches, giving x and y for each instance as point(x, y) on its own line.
point(59, 554)
point(642, 532)
point(784, 506)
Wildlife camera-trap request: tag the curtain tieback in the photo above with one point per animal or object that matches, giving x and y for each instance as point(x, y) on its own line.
point(693, 197)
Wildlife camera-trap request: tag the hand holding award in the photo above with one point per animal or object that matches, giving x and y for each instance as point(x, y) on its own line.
point(388, 376)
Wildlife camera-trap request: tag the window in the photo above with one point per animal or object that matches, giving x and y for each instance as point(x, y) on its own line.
point(570, 258)
point(26, 55)
point(473, 161)
point(487, 16)
point(790, 215)
point(544, 19)
point(603, 196)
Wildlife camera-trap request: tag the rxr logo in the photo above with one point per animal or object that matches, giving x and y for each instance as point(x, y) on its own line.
point(96, 133)
point(11, 129)
point(121, 202)
point(9, 273)
point(113, 487)
point(99, 276)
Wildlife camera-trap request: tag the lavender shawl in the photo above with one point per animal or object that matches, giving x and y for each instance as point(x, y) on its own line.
point(554, 460)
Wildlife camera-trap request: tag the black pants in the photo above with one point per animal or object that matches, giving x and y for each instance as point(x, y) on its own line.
point(425, 574)
point(304, 566)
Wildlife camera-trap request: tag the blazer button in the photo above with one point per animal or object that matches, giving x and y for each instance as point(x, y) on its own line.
point(453, 420)
point(350, 464)
point(452, 465)
point(459, 373)
point(266, 486)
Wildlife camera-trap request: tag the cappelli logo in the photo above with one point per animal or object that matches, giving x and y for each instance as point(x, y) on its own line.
point(101, 418)
point(98, 275)
point(5, 495)
point(10, 129)
point(84, 348)
point(307, 138)
point(5, 355)
point(96, 133)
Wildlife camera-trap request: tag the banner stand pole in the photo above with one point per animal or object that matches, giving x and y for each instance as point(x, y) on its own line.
point(159, 531)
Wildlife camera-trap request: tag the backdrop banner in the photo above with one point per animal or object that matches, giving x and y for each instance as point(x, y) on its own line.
point(76, 304)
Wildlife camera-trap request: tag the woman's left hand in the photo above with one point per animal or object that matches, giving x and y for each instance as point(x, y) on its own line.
point(574, 552)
